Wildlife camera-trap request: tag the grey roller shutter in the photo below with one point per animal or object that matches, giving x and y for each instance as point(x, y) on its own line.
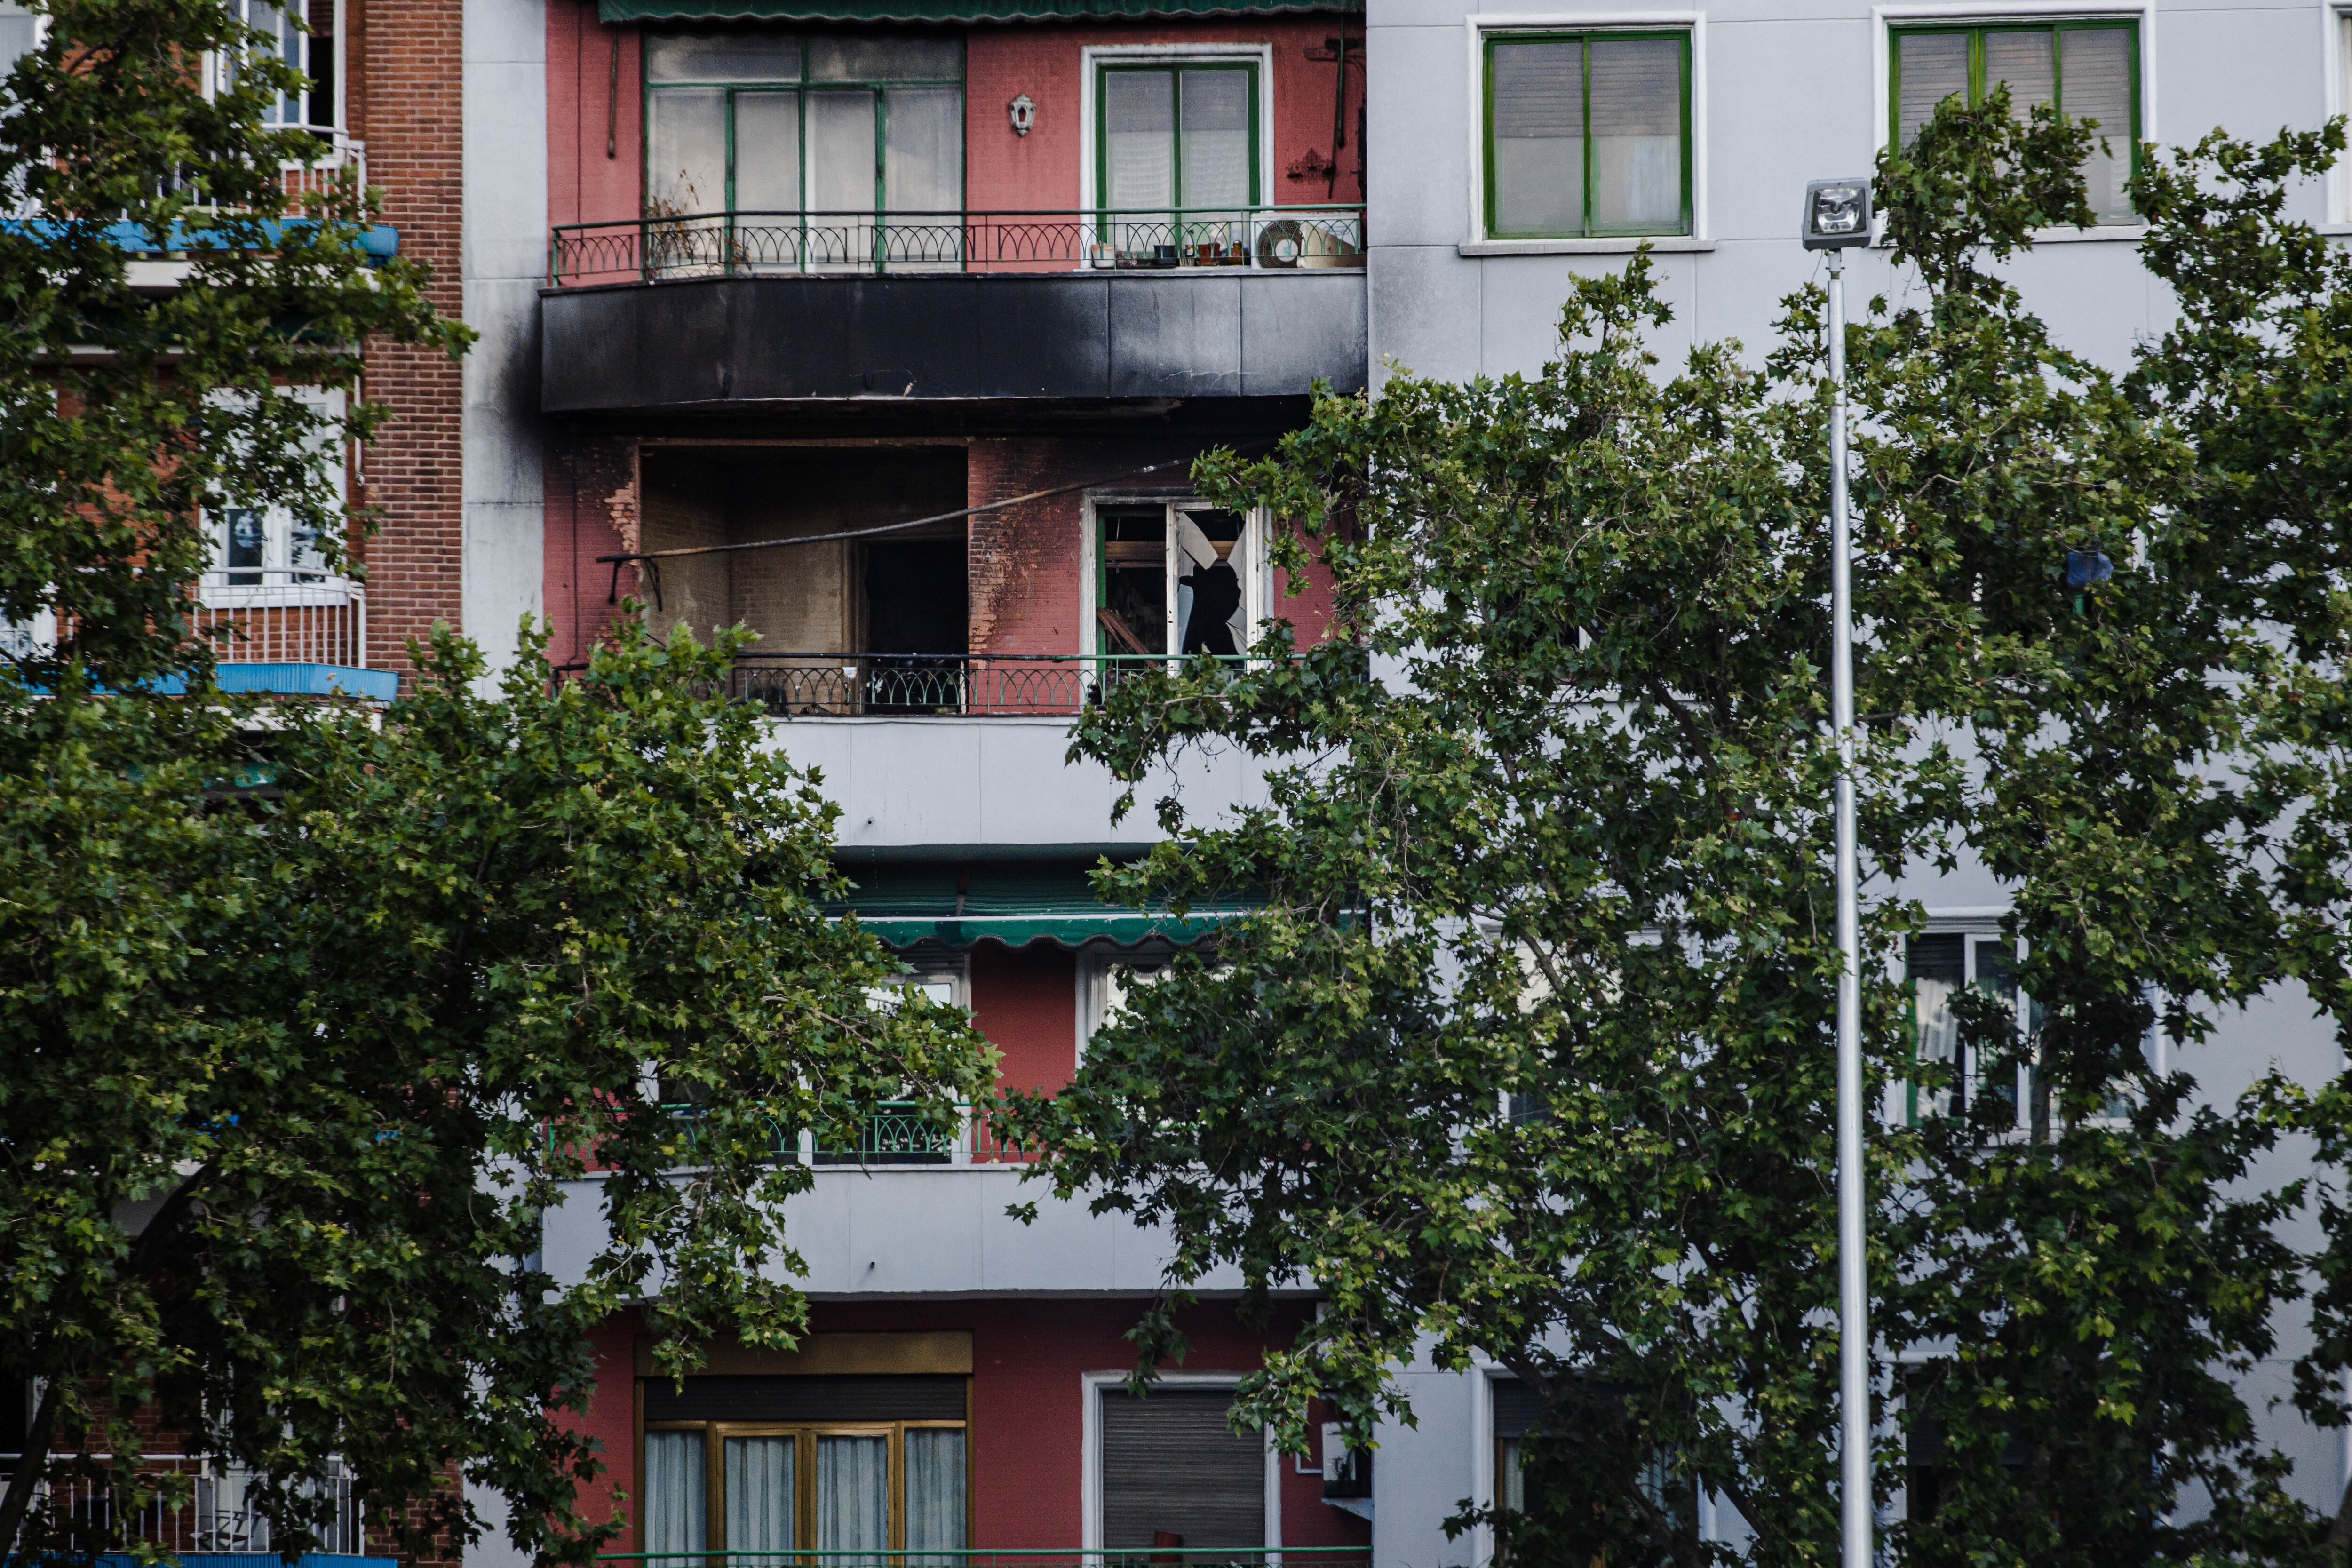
point(1517, 1408)
point(1171, 1464)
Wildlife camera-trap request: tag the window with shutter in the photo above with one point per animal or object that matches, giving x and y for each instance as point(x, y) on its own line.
point(1587, 135)
point(1172, 1466)
point(2085, 70)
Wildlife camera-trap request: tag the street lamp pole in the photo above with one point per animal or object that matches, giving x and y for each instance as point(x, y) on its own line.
point(1837, 216)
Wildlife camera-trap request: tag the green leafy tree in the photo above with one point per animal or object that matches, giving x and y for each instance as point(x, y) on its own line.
point(311, 1013)
point(1528, 1053)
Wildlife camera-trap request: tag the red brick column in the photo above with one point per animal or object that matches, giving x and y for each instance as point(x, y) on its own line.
point(404, 98)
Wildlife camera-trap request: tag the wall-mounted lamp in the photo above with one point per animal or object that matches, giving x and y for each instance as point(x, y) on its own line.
point(1023, 112)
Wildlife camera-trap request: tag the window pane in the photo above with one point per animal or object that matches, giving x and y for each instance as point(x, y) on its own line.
point(767, 151)
point(935, 1503)
point(2097, 86)
point(852, 1497)
point(1539, 148)
point(2025, 61)
point(841, 151)
point(1637, 133)
point(1934, 67)
point(1937, 967)
point(1133, 615)
point(885, 60)
point(1208, 588)
point(17, 25)
point(723, 57)
point(1140, 121)
point(1216, 149)
point(248, 545)
point(686, 151)
point(923, 149)
point(674, 1521)
point(759, 1496)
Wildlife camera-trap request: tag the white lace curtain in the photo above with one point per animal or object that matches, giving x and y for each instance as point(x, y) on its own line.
point(675, 1520)
point(758, 1500)
point(852, 1497)
point(935, 1500)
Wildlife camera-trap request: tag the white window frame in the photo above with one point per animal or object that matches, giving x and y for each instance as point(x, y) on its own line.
point(284, 580)
point(336, 122)
point(1100, 990)
point(1092, 55)
point(1973, 926)
point(1091, 1385)
point(1255, 568)
point(2336, 65)
point(1477, 29)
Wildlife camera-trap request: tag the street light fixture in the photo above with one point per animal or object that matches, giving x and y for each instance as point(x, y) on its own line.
point(1837, 217)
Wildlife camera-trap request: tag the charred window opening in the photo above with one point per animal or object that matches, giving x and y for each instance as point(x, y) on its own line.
point(867, 625)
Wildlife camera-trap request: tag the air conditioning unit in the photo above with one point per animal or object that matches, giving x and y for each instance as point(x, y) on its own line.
point(1347, 1472)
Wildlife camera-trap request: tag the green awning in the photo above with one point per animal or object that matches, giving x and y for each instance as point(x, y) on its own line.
point(957, 11)
point(1015, 903)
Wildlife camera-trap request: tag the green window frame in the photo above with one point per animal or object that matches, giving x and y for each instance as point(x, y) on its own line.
point(2106, 64)
point(1510, 203)
point(1175, 70)
point(803, 87)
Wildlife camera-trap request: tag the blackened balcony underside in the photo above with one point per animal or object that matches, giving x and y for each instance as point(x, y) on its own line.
point(733, 342)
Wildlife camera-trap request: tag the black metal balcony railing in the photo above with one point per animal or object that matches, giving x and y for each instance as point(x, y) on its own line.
point(923, 685)
point(755, 244)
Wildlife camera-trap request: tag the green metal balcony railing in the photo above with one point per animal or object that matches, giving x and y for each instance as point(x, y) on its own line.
point(760, 244)
point(1012, 1557)
point(896, 1132)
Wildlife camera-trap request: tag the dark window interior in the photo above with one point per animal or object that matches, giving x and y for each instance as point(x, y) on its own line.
point(1134, 611)
point(916, 596)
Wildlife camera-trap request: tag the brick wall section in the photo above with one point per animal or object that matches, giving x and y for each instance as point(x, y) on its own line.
point(1027, 592)
point(592, 511)
point(405, 62)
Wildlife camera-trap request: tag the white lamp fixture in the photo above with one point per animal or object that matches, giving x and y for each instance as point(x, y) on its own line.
point(1023, 112)
point(1837, 214)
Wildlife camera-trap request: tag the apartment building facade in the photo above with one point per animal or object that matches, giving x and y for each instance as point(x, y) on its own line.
point(890, 330)
point(1518, 143)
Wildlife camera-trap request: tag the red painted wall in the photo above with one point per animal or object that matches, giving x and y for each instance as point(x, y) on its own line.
point(585, 113)
point(1027, 1404)
point(1044, 169)
point(1026, 1001)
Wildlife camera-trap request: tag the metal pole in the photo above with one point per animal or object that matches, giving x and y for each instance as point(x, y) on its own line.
point(1854, 1298)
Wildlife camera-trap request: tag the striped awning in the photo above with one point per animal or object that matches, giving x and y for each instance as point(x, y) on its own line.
point(1014, 902)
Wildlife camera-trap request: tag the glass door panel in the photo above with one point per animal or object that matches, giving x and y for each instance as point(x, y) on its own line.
point(922, 172)
point(760, 1486)
point(685, 172)
point(842, 179)
point(1139, 158)
point(675, 1517)
point(852, 1497)
point(768, 179)
point(935, 1494)
point(1213, 161)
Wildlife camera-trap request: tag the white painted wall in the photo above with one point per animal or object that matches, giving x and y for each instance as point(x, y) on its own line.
point(954, 784)
point(926, 1230)
point(505, 255)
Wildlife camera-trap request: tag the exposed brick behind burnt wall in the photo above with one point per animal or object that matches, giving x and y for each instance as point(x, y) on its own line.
point(592, 511)
point(1027, 593)
point(406, 68)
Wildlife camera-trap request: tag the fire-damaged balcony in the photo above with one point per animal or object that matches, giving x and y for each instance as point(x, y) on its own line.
point(726, 309)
